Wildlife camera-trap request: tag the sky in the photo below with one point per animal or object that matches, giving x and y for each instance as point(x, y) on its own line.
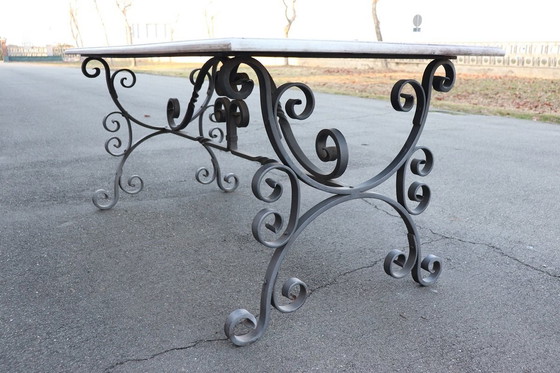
point(40, 22)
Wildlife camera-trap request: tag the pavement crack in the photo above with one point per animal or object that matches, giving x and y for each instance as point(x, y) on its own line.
point(497, 250)
point(157, 354)
point(374, 205)
point(344, 274)
point(494, 248)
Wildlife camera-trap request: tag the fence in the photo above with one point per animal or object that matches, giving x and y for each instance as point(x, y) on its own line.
point(531, 59)
point(11, 53)
point(534, 55)
point(524, 55)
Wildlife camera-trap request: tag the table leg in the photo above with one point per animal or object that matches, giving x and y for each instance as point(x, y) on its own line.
point(299, 168)
point(122, 123)
point(222, 77)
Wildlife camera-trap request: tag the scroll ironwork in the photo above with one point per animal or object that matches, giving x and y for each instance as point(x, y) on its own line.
point(220, 89)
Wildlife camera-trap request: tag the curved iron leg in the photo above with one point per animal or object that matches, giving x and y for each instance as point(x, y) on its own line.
point(267, 300)
point(135, 182)
point(410, 263)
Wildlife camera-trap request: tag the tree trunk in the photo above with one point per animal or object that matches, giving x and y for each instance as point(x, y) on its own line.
point(377, 26)
point(74, 25)
point(102, 22)
point(123, 6)
point(290, 18)
point(376, 20)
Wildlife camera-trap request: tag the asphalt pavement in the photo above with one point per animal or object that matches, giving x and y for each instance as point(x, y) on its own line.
point(147, 285)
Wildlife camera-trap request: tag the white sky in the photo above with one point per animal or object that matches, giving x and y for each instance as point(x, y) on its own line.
point(43, 22)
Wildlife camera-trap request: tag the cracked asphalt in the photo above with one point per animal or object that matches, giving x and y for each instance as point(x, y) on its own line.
point(147, 285)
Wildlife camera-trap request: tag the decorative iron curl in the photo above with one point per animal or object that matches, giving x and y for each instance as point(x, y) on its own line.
point(228, 183)
point(238, 113)
point(221, 109)
point(235, 113)
point(231, 83)
point(404, 102)
point(439, 83)
point(296, 291)
point(431, 264)
point(103, 201)
point(114, 145)
point(101, 198)
point(238, 86)
point(397, 264)
point(423, 91)
point(204, 176)
point(421, 105)
point(124, 80)
point(133, 185)
point(338, 152)
point(293, 289)
point(243, 317)
point(197, 79)
point(216, 134)
point(417, 191)
point(262, 219)
point(96, 70)
point(291, 104)
point(111, 85)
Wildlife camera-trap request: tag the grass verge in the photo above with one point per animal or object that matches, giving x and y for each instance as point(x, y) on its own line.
point(525, 98)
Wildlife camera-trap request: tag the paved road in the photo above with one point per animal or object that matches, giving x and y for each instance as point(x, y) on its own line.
point(146, 286)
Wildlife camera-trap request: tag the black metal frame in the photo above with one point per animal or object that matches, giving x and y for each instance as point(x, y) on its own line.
point(221, 77)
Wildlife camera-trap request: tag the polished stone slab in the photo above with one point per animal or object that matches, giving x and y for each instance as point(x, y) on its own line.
point(288, 48)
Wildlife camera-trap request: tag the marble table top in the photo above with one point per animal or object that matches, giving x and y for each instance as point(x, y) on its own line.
point(288, 48)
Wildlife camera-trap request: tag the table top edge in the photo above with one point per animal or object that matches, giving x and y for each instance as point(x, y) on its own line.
point(288, 48)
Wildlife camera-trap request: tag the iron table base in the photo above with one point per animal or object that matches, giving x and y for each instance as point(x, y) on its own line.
point(219, 95)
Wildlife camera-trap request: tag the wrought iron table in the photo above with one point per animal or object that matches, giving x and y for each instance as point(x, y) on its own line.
point(221, 78)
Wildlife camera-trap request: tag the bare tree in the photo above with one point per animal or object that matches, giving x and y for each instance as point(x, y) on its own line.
point(376, 22)
point(377, 26)
point(210, 17)
point(174, 26)
point(74, 25)
point(102, 22)
point(123, 6)
point(290, 14)
point(3, 49)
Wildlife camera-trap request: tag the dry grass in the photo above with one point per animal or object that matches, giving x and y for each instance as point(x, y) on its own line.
point(527, 98)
